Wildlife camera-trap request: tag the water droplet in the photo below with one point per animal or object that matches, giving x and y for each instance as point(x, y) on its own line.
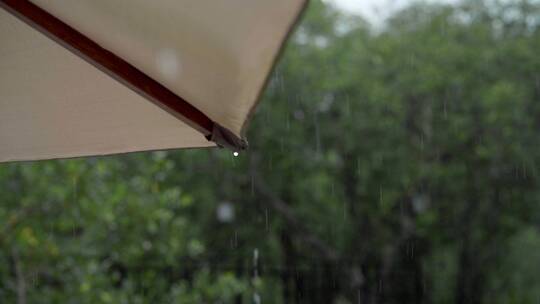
point(256, 298)
point(266, 218)
point(225, 212)
point(168, 63)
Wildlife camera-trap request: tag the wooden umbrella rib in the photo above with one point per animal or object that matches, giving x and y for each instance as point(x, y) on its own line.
point(119, 69)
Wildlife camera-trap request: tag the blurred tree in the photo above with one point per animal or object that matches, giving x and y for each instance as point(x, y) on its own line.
point(389, 165)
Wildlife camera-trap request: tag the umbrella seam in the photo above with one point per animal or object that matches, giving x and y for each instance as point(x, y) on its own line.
point(122, 71)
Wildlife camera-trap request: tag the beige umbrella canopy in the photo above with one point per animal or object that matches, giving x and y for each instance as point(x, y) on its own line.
point(95, 77)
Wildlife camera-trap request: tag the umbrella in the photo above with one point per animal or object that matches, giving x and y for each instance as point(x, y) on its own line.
point(97, 77)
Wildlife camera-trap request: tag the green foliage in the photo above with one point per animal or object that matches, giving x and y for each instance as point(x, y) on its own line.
point(390, 165)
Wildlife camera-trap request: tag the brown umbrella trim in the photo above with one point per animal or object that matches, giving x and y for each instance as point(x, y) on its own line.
point(122, 71)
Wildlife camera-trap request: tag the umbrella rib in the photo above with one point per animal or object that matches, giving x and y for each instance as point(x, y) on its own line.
point(122, 71)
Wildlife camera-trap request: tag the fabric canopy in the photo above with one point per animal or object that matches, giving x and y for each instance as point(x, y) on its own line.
point(133, 75)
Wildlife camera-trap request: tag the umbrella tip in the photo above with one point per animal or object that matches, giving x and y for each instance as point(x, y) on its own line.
point(225, 138)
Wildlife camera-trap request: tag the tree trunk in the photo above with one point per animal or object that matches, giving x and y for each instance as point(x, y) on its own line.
point(19, 276)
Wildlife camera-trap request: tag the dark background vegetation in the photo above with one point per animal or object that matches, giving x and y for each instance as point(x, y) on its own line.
point(397, 164)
